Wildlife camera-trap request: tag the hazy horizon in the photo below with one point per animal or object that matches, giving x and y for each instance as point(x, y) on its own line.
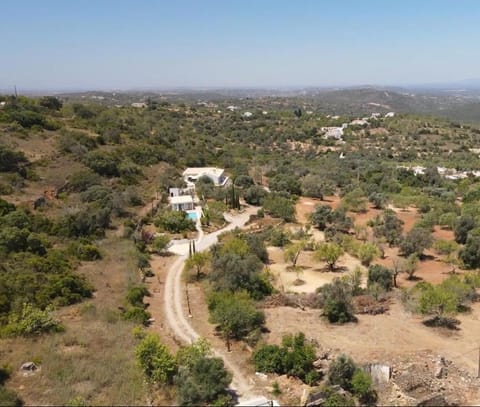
point(125, 45)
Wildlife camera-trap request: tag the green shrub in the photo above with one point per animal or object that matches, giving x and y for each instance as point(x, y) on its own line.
point(138, 315)
point(32, 321)
point(174, 222)
point(157, 362)
point(341, 372)
point(295, 358)
point(362, 387)
point(9, 398)
point(135, 295)
point(336, 298)
point(380, 275)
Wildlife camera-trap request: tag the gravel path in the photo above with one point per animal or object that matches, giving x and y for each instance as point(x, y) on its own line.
point(175, 314)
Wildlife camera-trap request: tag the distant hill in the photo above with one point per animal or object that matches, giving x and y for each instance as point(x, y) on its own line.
point(454, 102)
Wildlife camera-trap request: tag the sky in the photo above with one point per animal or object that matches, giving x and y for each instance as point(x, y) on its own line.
point(154, 44)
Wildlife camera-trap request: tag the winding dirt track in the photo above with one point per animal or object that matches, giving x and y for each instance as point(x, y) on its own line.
point(176, 315)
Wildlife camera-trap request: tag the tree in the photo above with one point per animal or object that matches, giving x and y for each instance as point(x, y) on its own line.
point(244, 181)
point(174, 222)
point(389, 227)
point(464, 225)
point(416, 241)
point(409, 265)
point(470, 254)
point(254, 195)
point(355, 201)
point(380, 275)
point(336, 298)
point(367, 252)
point(314, 186)
point(103, 163)
point(157, 362)
point(329, 253)
point(202, 382)
point(448, 220)
point(233, 272)
point(51, 102)
point(436, 300)
point(189, 354)
point(345, 373)
point(396, 269)
point(160, 244)
point(378, 200)
point(235, 314)
point(279, 207)
point(341, 372)
point(447, 248)
point(292, 252)
point(322, 216)
point(197, 262)
point(362, 387)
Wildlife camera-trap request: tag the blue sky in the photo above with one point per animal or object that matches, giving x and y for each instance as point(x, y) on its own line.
point(106, 44)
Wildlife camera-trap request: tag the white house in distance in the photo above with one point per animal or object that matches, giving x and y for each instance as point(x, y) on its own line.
point(192, 175)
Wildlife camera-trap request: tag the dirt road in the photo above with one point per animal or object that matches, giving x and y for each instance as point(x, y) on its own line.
point(174, 311)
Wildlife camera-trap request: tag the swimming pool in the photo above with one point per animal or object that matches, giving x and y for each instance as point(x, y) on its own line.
point(192, 215)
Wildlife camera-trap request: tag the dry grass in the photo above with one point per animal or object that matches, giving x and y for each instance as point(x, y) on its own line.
point(95, 357)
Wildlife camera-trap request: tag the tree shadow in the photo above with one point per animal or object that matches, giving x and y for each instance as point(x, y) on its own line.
point(442, 322)
point(328, 269)
point(426, 257)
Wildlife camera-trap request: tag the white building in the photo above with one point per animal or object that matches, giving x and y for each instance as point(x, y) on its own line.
point(139, 104)
point(192, 175)
point(181, 191)
point(359, 122)
point(247, 114)
point(390, 114)
point(333, 132)
point(182, 203)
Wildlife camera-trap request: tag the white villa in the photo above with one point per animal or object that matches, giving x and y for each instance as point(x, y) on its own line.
point(182, 203)
point(191, 175)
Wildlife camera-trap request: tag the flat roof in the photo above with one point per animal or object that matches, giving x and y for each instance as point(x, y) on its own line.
point(202, 170)
point(181, 199)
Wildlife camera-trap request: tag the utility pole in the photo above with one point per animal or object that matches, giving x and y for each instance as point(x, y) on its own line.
point(478, 373)
point(188, 300)
point(15, 88)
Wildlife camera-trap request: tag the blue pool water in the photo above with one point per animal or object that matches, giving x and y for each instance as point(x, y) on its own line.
point(192, 215)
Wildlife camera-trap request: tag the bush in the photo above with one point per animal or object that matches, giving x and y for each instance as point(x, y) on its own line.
point(32, 321)
point(341, 372)
point(279, 238)
point(157, 362)
point(9, 398)
point(470, 254)
point(103, 163)
point(203, 382)
point(85, 251)
point(295, 358)
point(336, 298)
point(380, 275)
point(138, 315)
point(11, 161)
point(362, 387)
point(135, 295)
